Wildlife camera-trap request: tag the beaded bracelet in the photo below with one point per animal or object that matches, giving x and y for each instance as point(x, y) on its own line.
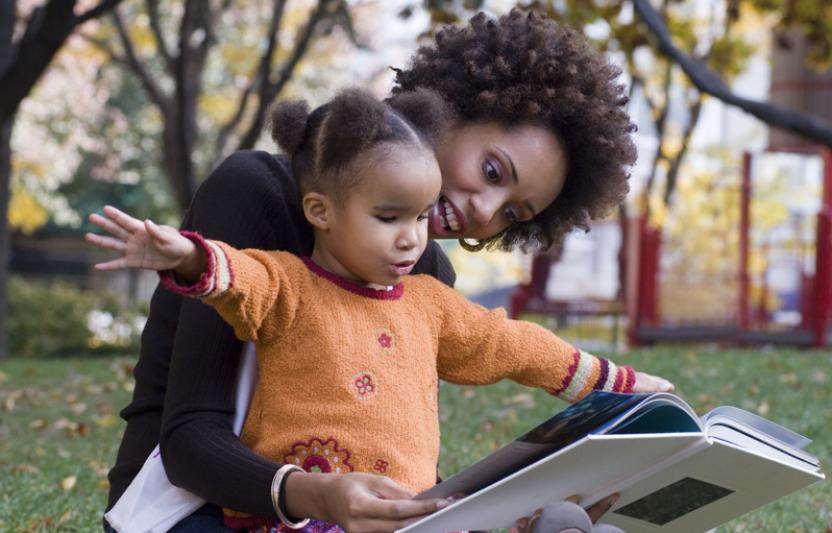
point(277, 486)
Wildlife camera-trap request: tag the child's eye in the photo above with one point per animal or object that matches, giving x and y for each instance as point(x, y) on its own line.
point(511, 216)
point(423, 216)
point(384, 219)
point(491, 172)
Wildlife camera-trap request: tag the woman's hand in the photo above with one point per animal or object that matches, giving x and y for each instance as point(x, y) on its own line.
point(146, 245)
point(648, 383)
point(359, 503)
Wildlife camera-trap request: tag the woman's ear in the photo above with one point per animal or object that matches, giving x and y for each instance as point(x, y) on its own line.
point(317, 208)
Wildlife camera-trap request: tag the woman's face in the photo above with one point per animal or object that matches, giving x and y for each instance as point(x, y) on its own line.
point(493, 176)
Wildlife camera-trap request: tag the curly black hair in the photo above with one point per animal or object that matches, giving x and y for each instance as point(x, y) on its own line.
point(324, 144)
point(524, 68)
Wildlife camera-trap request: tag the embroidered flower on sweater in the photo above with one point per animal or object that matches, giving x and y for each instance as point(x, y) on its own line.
point(318, 455)
point(385, 341)
point(364, 386)
point(381, 466)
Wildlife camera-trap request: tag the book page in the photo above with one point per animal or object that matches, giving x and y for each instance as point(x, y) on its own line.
point(726, 414)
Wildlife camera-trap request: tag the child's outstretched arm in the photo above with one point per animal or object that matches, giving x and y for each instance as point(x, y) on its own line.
point(147, 246)
point(478, 346)
point(249, 288)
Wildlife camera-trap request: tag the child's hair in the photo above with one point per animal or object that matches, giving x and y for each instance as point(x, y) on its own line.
point(524, 68)
point(325, 143)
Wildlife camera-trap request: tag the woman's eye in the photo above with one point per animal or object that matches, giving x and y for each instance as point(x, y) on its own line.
point(511, 217)
point(423, 216)
point(385, 219)
point(491, 172)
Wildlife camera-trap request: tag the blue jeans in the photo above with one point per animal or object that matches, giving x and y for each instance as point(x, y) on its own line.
point(206, 519)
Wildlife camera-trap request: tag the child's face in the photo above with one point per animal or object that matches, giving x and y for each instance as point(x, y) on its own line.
point(381, 229)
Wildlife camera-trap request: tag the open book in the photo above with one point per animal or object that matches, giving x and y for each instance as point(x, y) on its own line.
point(675, 471)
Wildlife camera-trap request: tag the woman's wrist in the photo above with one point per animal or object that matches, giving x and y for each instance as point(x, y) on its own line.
point(304, 494)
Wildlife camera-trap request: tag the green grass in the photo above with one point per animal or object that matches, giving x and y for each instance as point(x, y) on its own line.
point(59, 432)
point(57, 422)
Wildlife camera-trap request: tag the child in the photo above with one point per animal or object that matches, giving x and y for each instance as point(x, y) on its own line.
point(349, 348)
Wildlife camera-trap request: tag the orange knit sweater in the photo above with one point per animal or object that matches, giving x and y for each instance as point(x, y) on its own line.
point(349, 375)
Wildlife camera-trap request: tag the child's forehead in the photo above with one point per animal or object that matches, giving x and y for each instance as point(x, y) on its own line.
point(411, 180)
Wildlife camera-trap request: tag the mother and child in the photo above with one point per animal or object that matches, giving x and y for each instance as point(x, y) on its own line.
point(509, 131)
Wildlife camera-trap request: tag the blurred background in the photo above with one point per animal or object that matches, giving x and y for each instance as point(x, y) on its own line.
point(715, 273)
point(133, 103)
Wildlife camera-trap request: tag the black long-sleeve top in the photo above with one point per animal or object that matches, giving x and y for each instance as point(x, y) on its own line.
point(189, 358)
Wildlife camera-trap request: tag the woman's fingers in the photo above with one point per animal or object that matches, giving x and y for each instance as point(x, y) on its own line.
point(394, 502)
point(106, 242)
point(389, 489)
point(109, 226)
point(123, 219)
point(597, 510)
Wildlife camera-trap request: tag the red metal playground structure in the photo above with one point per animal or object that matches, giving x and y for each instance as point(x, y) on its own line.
point(742, 313)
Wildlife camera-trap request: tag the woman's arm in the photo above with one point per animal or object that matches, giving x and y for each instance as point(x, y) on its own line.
point(247, 203)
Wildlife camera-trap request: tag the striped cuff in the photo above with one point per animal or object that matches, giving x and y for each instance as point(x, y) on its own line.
point(610, 377)
point(217, 279)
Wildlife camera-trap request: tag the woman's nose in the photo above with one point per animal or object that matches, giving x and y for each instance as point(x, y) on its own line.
point(484, 207)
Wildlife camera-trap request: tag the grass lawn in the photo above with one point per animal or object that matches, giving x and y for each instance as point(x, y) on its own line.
point(59, 428)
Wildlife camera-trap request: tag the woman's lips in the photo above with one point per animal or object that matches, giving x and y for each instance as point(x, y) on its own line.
point(446, 219)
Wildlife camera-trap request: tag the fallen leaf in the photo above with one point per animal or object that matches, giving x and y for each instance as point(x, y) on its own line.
point(789, 379)
point(522, 398)
point(66, 517)
point(37, 424)
point(763, 409)
point(25, 468)
point(469, 393)
point(3, 376)
point(68, 483)
point(78, 408)
point(107, 421)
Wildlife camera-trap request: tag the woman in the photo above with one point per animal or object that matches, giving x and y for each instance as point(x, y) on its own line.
point(542, 145)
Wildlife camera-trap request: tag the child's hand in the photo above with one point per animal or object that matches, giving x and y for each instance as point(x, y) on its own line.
point(647, 383)
point(144, 245)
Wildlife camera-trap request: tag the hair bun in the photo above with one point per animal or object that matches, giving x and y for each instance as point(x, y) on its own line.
point(289, 120)
point(426, 111)
point(356, 120)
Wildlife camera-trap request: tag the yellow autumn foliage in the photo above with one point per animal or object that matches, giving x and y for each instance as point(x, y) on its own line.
point(25, 213)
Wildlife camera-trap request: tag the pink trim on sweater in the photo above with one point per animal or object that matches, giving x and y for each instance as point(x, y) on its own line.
point(205, 279)
point(353, 287)
point(567, 380)
point(631, 379)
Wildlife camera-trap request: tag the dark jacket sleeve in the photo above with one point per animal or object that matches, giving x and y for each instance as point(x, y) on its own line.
point(248, 203)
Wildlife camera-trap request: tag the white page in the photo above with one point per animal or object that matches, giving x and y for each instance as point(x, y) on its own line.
point(574, 470)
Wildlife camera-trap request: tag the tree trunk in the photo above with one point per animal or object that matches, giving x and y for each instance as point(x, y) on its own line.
point(5, 234)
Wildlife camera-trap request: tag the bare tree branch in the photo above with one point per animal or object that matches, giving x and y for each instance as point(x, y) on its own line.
point(104, 46)
point(707, 82)
point(96, 11)
point(262, 74)
point(269, 90)
point(156, 27)
point(694, 112)
point(153, 90)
